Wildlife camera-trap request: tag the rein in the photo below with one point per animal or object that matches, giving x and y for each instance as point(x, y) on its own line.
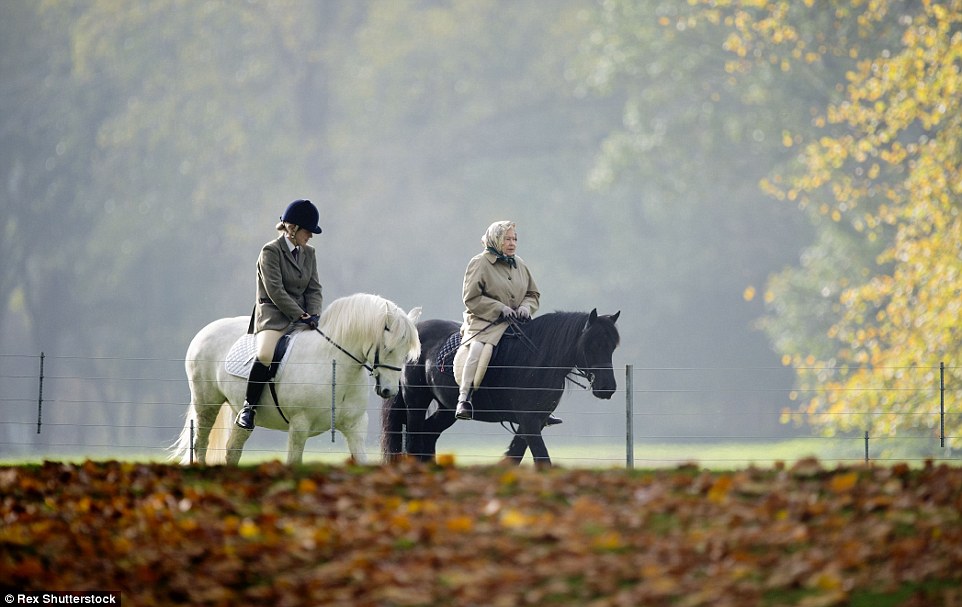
point(588, 375)
point(519, 333)
point(370, 368)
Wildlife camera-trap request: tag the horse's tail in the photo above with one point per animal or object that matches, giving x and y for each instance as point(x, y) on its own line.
point(219, 435)
point(393, 416)
point(180, 451)
point(216, 452)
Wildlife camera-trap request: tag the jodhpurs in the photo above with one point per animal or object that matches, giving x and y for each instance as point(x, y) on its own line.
point(475, 366)
point(266, 343)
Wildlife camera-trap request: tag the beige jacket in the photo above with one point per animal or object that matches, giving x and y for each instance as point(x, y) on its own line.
point(489, 285)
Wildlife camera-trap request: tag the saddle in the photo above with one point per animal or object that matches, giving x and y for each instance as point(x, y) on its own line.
point(447, 352)
point(240, 360)
point(240, 357)
point(445, 357)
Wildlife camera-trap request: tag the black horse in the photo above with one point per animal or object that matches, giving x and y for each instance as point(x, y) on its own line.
point(523, 385)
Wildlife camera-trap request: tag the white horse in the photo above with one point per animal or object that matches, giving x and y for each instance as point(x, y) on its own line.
point(364, 334)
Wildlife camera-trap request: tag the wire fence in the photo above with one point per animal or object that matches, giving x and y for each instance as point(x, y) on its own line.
point(54, 407)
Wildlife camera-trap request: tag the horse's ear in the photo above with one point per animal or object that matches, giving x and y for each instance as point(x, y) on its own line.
point(415, 314)
point(592, 317)
point(614, 317)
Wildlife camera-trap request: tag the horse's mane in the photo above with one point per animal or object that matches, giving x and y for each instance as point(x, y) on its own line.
point(558, 331)
point(361, 319)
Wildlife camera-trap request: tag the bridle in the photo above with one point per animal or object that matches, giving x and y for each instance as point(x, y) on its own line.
point(372, 367)
point(588, 375)
point(577, 371)
point(580, 371)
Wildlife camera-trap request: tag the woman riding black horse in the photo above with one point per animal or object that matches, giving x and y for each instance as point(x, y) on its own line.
point(498, 290)
point(523, 385)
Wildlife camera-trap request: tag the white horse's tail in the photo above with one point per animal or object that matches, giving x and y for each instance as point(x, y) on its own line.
point(219, 435)
point(180, 450)
point(216, 452)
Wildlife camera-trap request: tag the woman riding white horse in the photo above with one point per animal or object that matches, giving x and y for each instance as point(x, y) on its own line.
point(321, 383)
point(288, 291)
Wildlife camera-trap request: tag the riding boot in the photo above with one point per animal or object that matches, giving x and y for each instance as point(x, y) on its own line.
point(553, 421)
point(469, 379)
point(255, 387)
point(465, 410)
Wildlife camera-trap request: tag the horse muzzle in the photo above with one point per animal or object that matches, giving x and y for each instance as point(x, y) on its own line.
point(603, 385)
point(386, 392)
point(603, 393)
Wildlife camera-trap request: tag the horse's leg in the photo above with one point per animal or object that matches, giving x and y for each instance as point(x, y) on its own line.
point(516, 450)
point(235, 444)
point(206, 416)
point(416, 437)
point(393, 416)
point(207, 399)
point(530, 428)
point(442, 419)
point(355, 439)
point(297, 432)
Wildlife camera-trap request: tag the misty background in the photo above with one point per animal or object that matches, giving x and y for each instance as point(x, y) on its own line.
point(148, 147)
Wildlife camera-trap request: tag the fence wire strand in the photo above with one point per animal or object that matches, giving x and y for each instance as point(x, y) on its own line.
point(107, 404)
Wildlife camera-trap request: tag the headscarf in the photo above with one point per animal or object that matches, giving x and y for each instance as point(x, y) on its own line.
point(493, 240)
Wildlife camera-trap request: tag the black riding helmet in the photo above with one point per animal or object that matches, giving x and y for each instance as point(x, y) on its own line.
point(302, 213)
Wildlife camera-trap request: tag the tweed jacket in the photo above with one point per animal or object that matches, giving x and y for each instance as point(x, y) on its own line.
point(285, 288)
point(489, 285)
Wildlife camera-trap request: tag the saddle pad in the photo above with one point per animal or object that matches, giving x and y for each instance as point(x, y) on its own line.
point(445, 358)
point(240, 357)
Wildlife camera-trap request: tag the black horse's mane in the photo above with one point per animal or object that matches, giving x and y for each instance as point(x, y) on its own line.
point(556, 332)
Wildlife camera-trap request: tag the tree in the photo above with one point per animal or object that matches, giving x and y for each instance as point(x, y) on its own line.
point(694, 139)
point(882, 168)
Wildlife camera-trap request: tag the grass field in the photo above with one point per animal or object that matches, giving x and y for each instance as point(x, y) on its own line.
point(601, 455)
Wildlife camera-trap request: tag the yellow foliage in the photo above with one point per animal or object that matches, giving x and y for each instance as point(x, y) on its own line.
point(843, 482)
point(460, 524)
point(890, 145)
point(608, 541)
point(306, 485)
point(514, 519)
point(719, 490)
point(248, 529)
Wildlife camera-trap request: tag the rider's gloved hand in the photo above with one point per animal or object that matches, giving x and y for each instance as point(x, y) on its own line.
point(524, 313)
point(508, 312)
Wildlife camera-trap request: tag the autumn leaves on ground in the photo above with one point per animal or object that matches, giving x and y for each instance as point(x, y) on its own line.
point(410, 534)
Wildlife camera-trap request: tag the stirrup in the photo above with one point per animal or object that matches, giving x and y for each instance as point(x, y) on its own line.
point(465, 410)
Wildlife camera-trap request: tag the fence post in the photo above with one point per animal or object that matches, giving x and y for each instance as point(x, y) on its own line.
point(866, 446)
point(629, 417)
point(942, 404)
point(333, 394)
point(40, 397)
point(190, 448)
